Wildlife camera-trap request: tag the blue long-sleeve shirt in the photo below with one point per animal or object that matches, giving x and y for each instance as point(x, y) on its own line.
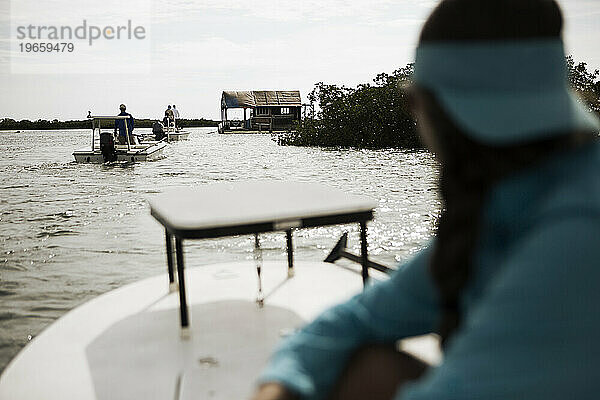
point(120, 124)
point(531, 311)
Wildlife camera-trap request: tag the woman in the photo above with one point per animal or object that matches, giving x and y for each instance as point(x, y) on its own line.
point(510, 282)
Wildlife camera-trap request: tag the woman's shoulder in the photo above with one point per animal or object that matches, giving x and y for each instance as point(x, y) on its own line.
point(561, 214)
point(573, 187)
point(567, 185)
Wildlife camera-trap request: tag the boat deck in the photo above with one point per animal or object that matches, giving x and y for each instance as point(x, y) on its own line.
point(127, 343)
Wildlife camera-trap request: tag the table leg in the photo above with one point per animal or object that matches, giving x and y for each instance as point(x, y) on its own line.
point(363, 252)
point(180, 275)
point(172, 283)
point(290, 252)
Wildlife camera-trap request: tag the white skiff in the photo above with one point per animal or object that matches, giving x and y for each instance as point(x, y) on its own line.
point(104, 149)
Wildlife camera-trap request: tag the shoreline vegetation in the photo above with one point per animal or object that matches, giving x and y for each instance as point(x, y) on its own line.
point(376, 115)
point(372, 115)
point(8, 124)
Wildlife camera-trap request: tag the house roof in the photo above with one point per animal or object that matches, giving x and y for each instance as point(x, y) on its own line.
point(254, 98)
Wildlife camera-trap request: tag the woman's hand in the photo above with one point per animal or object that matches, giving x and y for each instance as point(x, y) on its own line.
point(273, 391)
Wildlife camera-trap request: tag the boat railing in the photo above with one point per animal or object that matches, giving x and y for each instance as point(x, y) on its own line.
point(173, 128)
point(100, 118)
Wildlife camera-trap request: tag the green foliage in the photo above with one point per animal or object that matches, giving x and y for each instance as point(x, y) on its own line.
point(369, 116)
point(42, 124)
point(377, 115)
point(585, 83)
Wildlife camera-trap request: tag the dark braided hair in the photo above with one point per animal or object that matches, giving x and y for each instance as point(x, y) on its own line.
point(469, 168)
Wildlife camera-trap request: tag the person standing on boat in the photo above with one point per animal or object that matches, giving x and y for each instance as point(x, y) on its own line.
point(510, 281)
point(169, 116)
point(175, 115)
point(120, 126)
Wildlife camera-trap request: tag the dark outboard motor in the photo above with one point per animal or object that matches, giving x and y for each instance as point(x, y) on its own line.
point(107, 147)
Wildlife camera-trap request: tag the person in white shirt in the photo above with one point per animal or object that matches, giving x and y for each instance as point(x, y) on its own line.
point(176, 115)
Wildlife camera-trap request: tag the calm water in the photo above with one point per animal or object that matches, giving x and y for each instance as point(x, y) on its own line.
point(70, 232)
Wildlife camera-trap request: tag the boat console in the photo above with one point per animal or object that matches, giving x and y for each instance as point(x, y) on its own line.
point(252, 208)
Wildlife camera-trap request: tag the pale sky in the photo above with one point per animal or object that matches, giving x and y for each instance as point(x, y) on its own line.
point(197, 49)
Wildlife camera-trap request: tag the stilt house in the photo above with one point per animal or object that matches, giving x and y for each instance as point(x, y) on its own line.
point(264, 111)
